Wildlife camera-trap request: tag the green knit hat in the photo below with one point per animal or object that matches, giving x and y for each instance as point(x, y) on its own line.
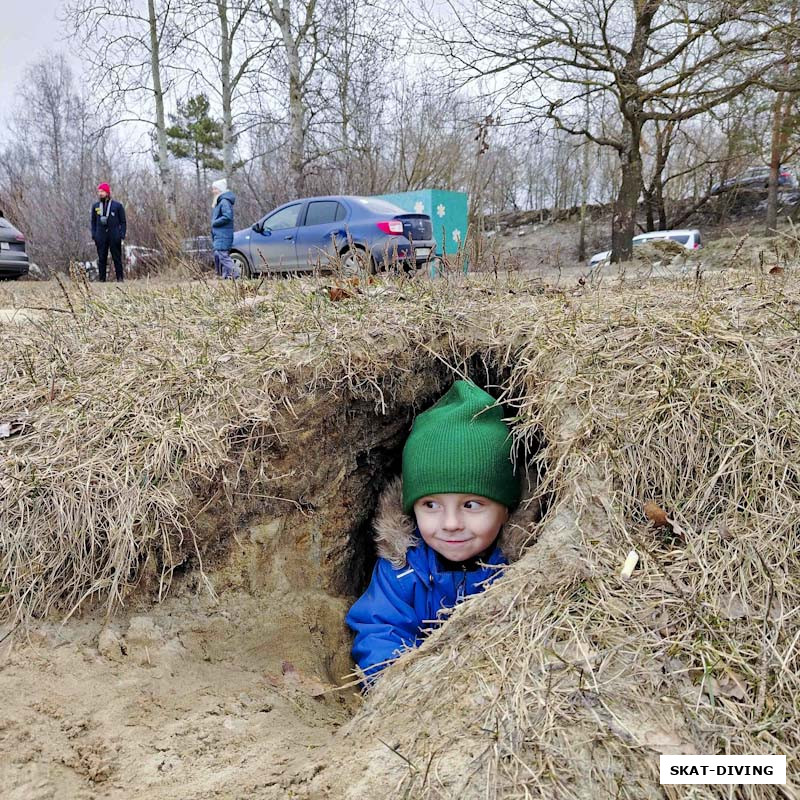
point(460, 445)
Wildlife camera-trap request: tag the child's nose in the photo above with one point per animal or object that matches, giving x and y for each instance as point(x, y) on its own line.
point(452, 520)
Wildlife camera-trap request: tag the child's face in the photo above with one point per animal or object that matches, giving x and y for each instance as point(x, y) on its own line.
point(459, 526)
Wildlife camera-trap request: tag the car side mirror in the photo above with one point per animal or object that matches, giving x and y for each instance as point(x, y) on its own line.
point(256, 226)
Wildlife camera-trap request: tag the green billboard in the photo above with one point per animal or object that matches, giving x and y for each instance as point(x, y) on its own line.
point(447, 210)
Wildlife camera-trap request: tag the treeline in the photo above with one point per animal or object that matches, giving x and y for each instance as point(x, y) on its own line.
point(521, 103)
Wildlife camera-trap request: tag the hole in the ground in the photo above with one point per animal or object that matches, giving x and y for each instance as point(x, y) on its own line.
point(312, 550)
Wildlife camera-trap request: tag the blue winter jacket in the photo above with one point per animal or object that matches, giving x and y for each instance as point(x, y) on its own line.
point(222, 221)
point(400, 602)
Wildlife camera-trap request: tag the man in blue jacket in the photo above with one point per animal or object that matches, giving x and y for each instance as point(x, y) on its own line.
point(222, 229)
point(109, 227)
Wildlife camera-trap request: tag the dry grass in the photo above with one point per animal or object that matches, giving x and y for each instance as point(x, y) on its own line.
point(142, 401)
point(562, 680)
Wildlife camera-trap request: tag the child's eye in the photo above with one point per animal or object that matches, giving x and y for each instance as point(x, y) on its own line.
point(431, 504)
point(473, 505)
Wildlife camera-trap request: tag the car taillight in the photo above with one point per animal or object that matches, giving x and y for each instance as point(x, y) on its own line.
point(696, 245)
point(391, 226)
point(784, 174)
point(20, 238)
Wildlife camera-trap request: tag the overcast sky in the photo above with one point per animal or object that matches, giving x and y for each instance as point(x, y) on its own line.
point(29, 31)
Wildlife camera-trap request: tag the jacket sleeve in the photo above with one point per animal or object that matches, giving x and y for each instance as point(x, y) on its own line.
point(225, 214)
point(383, 618)
point(93, 222)
point(123, 223)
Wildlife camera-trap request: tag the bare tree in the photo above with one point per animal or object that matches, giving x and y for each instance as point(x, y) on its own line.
point(784, 117)
point(301, 53)
point(356, 124)
point(50, 164)
point(647, 55)
point(130, 50)
point(224, 40)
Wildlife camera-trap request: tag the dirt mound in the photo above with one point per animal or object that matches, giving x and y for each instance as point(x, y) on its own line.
point(566, 679)
point(234, 457)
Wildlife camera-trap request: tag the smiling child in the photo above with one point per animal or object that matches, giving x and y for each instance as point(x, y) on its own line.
point(439, 538)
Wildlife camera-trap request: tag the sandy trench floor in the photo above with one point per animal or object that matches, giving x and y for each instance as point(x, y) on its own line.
point(190, 699)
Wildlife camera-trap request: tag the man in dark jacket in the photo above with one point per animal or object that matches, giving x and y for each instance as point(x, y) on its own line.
point(222, 229)
point(108, 230)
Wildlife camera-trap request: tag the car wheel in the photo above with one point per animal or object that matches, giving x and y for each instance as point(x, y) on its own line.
point(355, 262)
point(243, 264)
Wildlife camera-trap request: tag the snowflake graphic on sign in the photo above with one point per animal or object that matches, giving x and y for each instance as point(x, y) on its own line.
point(456, 235)
point(419, 206)
point(440, 210)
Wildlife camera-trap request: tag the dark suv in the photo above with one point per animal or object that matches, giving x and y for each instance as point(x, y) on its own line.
point(13, 258)
point(756, 178)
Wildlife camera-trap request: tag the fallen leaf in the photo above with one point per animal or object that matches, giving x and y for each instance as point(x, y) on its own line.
point(724, 531)
point(731, 606)
point(336, 293)
point(656, 514)
point(776, 271)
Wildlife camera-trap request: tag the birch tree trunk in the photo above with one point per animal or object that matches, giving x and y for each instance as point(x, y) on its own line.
point(292, 44)
point(226, 86)
point(164, 171)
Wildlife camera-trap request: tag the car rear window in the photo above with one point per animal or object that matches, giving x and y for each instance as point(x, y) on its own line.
point(680, 238)
point(324, 211)
point(379, 206)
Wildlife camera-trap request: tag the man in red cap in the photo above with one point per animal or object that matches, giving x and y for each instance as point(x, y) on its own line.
point(108, 230)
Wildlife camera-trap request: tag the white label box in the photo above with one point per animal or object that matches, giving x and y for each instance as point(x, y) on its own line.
point(723, 769)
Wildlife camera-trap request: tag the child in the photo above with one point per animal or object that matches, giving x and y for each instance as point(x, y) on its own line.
point(459, 485)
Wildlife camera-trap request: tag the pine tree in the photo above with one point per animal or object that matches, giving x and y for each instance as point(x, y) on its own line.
point(195, 135)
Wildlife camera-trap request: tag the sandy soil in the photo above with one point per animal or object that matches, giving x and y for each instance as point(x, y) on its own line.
point(192, 699)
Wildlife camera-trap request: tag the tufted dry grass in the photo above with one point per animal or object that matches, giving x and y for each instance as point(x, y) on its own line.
point(564, 679)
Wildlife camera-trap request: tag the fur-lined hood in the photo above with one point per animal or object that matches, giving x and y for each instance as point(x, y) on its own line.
point(394, 529)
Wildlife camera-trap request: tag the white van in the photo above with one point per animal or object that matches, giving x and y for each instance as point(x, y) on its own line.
point(690, 239)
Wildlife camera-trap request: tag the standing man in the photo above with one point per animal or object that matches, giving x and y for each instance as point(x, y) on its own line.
point(222, 229)
point(108, 230)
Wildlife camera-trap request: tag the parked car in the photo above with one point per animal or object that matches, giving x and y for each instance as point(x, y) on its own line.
point(199, 249)
point(690, 239)
point(756, 178)
point(14, 261)
point(137, 262)
point(352, 233)
point(140, 260)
